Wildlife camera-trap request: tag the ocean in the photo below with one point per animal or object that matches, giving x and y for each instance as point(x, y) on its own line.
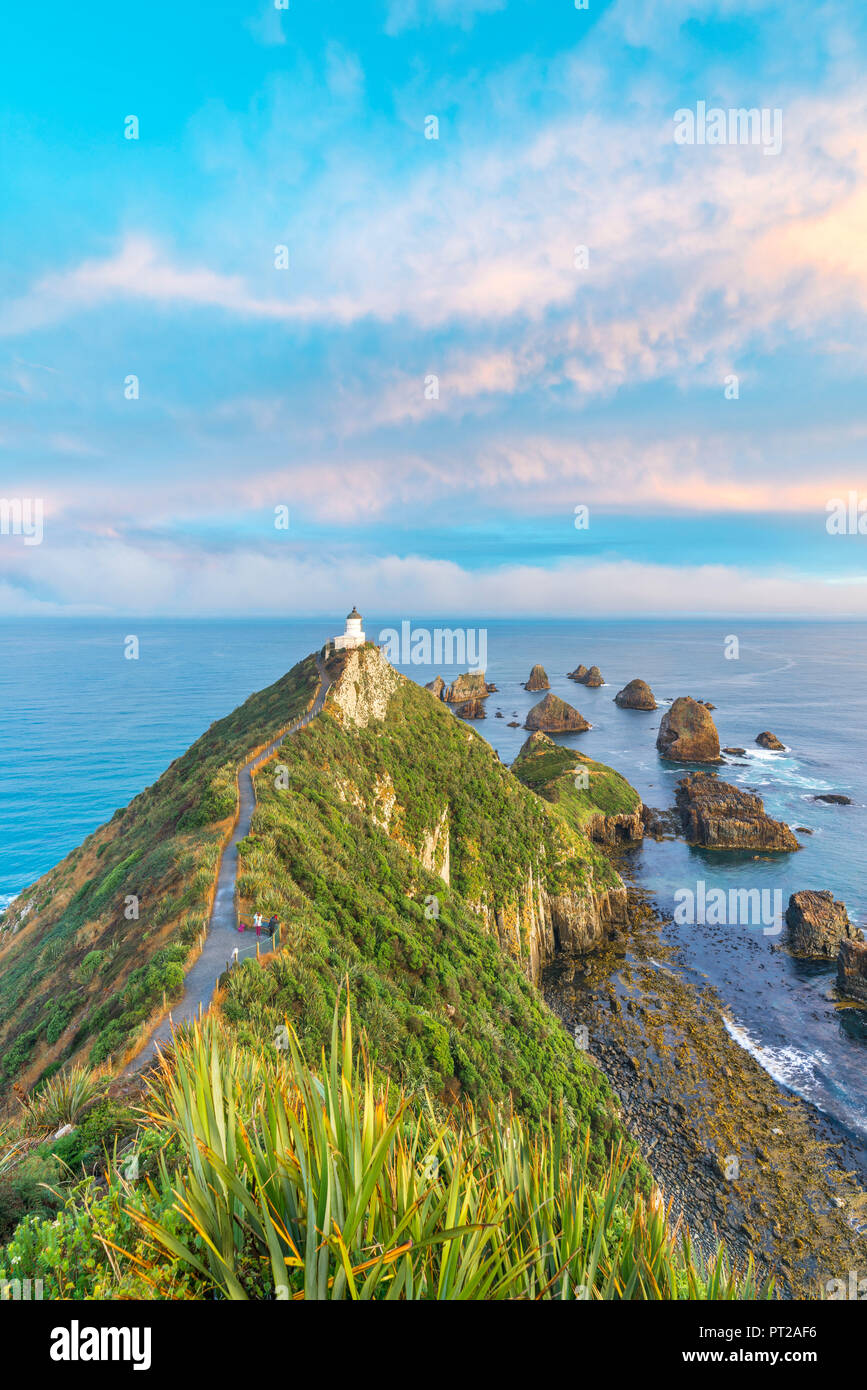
point(84, 729)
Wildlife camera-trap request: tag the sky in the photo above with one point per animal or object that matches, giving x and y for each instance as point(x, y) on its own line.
point(284, 352)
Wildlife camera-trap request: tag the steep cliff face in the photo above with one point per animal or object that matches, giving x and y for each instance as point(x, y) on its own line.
point(364, 684)
point(434, 853)
point(536, 885)
point(536, 925)
point(619, 828)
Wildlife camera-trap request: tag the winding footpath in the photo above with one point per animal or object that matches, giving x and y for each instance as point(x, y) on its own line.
point(222, 935)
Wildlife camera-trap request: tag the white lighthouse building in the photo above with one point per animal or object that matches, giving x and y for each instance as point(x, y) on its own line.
point(353, 636)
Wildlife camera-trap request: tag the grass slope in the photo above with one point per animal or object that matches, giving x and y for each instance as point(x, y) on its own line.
point(550, 769)
point(77, 974)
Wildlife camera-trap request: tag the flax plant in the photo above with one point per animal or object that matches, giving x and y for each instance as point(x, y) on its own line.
point(63, 1098)
point(303, 1184)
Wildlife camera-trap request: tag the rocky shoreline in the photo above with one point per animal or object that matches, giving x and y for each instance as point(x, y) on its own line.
point(739, 1158)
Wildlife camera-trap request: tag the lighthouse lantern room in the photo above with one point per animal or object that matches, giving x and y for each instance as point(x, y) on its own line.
point(353, 636)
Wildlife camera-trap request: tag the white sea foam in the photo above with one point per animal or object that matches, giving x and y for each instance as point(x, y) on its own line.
point(788, 1065)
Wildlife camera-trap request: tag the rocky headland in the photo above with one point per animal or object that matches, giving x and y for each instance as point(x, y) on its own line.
point(590, 796)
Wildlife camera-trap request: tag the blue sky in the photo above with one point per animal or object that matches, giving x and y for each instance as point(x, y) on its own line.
point(559, 386)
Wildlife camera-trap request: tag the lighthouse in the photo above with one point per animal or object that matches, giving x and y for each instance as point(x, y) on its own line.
point(353, 636)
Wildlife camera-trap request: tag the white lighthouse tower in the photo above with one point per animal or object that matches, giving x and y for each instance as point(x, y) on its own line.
point(353, 636)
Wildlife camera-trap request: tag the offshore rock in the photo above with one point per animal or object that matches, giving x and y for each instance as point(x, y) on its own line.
point(687, 733)
point(469, 686)
point(818, 925)
point(636, 695)
point(538, 680)
point(720, 816)
point(852, 970)
point(552, 715)
point(471, 709)
point(769, 740)
point(592, 677)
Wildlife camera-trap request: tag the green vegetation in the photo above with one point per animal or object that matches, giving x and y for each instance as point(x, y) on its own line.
point(448, 1008)
point(79, 970)
point(62, 1099)
point(471, 1150)
point(277, 1181)
point(550, 769)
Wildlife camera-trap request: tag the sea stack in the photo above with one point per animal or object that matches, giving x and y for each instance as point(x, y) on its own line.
point(817, 925)
point(688, 734)
point(553, 716)
point(636, 695)
point(471, 709)
point(578, 674)
point(469, 686)
point(538, 680)
point(592, 677)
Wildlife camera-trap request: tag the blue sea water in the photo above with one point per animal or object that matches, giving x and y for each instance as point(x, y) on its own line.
point(84, 729)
